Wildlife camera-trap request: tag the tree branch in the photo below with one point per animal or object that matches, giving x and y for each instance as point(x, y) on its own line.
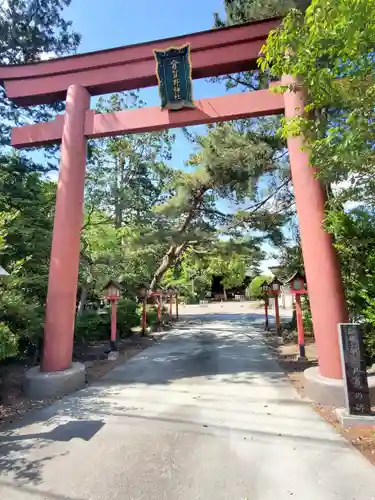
point(239, 81)
point(257, 206)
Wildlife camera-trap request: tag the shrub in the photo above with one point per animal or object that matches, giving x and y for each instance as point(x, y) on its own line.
point(8, 342)
point(128, 316)
point(24, 320)
point(151, 312)
point(369, 340)
point(306, 314)
point(190, 298)
point(92, 327)
point(152, 315)
point(254, 290)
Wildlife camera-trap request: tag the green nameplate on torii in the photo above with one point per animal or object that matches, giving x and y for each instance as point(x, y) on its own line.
point(173, 71)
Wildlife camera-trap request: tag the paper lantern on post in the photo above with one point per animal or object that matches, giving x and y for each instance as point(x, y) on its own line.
point(298, 283)
point(275, 286)
point(112, 290)
point(298, 287)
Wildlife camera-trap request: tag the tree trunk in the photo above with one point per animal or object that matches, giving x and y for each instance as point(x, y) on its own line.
point(169, 258)
point(225, 294)
point(82, 299)
point(120, 182)
point(176, 251)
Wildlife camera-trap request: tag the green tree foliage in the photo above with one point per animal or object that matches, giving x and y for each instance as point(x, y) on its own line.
point(140, 215)
point(92, 326)
point(189, 275)
point(232, 260)
point(231, 267)
point(26, 217)
point(30, 31)
point(290, 254)
point(236, 162)
point(146, 222)
point(272, 207)
point(255, 287)
point(355, 241)
point(330, 48)
point(354, 234)
point(243, 11)
point(8, 342)
point(127, 177)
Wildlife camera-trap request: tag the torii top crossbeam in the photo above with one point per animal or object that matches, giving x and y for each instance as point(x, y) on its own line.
point(214, 52)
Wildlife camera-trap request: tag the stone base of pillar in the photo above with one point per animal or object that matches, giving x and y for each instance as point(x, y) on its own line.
point(44, 385)
point(347, 420)
point(330, 391)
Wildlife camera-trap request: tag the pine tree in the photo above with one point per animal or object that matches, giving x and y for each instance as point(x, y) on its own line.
point(229, 165)
point(243, 11)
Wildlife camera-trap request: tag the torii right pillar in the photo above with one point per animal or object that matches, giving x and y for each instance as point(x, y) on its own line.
point(322, 267)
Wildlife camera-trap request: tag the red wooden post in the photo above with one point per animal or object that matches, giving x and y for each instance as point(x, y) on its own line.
point(301, 333)
point(114, 325)
point(277, 313)
point(326, 291)
point(63, 274)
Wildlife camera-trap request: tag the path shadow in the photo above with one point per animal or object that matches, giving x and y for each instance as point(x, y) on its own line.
point(14, 448)
point(28, 491)
point(64, 433)
point(14, 460)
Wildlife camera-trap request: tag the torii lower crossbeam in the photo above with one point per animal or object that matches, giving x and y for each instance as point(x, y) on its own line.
point(216, 109)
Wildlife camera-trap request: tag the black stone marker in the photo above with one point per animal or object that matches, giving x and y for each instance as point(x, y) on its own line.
point(354, 369)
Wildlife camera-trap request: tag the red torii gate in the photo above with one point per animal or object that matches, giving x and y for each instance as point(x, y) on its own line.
point(77, 78)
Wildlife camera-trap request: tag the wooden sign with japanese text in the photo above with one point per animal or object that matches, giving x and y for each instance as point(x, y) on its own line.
point(354, 369)
point(174, 74)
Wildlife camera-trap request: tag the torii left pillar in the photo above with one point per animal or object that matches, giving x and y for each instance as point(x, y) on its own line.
point(63, 275)
point(58, 375)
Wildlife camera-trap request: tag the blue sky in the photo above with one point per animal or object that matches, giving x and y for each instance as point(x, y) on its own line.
point(112, 23)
